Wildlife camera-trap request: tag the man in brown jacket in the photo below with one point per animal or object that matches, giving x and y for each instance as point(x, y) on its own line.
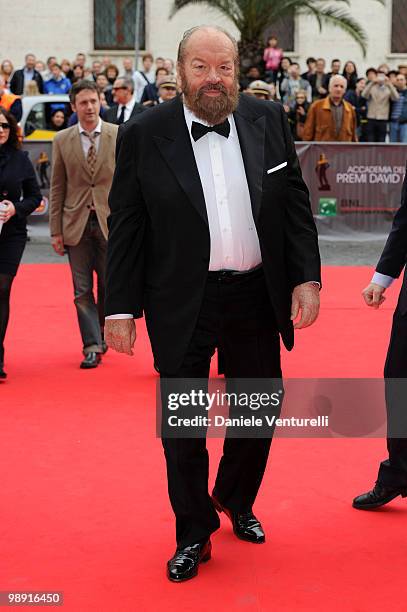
point(82, 173)
point(332, 118)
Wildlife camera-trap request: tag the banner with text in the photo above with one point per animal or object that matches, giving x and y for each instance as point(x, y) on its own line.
point(354, 186)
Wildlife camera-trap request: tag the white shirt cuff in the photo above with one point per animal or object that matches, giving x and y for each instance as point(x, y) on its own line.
point(382, 279)
point(313, 283)
point(120, 316)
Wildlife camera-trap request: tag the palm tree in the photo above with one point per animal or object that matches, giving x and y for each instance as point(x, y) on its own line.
point(253, 17)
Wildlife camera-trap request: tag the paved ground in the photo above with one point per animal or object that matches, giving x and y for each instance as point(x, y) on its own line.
point(362, 250)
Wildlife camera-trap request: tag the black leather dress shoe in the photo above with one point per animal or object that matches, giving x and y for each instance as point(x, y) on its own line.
point(91, 360)
point(184, 563)
point(379, 496)
point(3, 375)
point(245, 525)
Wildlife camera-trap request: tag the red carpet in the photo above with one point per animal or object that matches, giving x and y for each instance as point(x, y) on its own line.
point(84, 505)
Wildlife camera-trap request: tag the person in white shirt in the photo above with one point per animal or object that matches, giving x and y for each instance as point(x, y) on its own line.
point(83, 161)
point(144, 76)
point(212, 236)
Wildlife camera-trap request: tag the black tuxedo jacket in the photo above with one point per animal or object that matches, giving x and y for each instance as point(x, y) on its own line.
point(17, 82)
point(111, 113)
point(159, 245)
point(394, 256)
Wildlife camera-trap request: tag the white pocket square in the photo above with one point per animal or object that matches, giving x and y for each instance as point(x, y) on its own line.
point(283, 165)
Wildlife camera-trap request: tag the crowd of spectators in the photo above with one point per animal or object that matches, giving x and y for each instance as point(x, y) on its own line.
point(336, 104)
point(123, 91)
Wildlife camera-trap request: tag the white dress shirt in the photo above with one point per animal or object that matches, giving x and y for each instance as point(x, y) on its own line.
point(382, 279)
point(85, 142)
point(28, 75)
point(233, 236)
point(234, 240)
point(128, 109)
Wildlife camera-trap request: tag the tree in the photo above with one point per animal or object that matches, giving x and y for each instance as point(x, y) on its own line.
point(253, 17)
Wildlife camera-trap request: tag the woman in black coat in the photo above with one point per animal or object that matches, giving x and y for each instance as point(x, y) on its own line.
point(19, 197)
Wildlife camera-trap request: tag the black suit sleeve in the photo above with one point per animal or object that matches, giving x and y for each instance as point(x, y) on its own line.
point(16, 82)
point(127, 228)
point(138, 108)
point(31, 192)
point(301, 239)
point(394, 254)
point(111, 115)
point(145, 96)
point(17, 109)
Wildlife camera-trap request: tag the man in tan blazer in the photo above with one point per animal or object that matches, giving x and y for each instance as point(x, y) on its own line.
point(82, 172)
point(332, 118)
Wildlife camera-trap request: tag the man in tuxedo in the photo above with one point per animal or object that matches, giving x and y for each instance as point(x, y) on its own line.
point(392, 477)
point(211, 235)
point(82, 171)
point(125, 106)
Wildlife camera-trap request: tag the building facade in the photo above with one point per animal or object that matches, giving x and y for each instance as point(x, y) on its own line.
point(107, 27)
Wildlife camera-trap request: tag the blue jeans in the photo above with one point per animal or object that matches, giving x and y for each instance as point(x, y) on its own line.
point(85, 258)
point(398, 132)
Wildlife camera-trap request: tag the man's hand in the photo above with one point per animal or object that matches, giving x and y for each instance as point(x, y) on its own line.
point(305, 298)
point(373, 295)
point(58, 244)
point(10, 211)
point(120, 335)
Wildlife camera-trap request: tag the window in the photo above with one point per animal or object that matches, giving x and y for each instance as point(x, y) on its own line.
point(39, 117)
point(283, 29)
point(399, 27)
point(115, 24)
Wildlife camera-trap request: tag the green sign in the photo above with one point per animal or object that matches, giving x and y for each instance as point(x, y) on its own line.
point(327, 207)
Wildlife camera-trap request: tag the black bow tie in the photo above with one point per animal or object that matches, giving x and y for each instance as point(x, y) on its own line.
point(198, 129)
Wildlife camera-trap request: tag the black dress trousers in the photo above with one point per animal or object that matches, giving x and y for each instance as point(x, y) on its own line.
point(237, 317)
point(393, 471)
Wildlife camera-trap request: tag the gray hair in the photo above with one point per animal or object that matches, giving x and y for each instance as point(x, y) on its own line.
point(336, 77)
point(128, 82)
point(187, 35)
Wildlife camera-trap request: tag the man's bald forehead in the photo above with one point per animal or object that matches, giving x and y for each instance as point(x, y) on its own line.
point(207, 35)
